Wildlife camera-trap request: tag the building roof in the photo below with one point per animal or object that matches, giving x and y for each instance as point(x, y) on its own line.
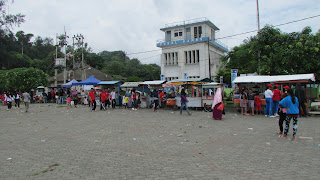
point(152, 82)
point(77, 74)
point(190, 22)
point(108, 82)
point(130, 84)
point(278, 78)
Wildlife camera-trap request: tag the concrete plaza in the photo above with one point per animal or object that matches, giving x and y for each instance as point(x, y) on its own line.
point(56, 142)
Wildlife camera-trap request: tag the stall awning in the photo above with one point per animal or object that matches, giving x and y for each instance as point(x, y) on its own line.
point(108, 82)
point(152, 82)
point(278, 78)
point(191, 80)
point(90, 81)
point(69, 84)
point(130, 84)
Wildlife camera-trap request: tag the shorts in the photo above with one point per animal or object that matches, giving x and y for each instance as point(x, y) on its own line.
point(258, 107)
point(243, 103)
point(251, 103)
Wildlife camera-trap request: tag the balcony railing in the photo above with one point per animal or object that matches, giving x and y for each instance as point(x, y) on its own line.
point(191, 21)
point(186, 38)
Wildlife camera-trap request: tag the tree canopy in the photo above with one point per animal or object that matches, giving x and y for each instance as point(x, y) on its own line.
point(280, 54)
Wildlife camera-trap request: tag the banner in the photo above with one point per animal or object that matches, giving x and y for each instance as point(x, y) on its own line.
point(234, 74)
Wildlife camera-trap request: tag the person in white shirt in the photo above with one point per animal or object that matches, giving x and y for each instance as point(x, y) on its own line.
point(9, 98)
point(113, 99)
point(17, 100)
point(268, 96)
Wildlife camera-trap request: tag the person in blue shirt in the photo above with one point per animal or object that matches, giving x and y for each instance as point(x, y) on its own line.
point(291, 103)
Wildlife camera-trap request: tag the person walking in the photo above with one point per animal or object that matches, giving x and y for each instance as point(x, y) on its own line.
point(217, 101)
point(291, 103)
point(92, 99)
point(26, 99)
point(268, 96)
point(276, 99)
point(17, 100)
point(184, 102)
point(102, 100)
point(10, 98)
point(301, 95)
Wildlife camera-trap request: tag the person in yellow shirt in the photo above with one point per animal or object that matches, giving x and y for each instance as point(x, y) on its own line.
point(126, 101)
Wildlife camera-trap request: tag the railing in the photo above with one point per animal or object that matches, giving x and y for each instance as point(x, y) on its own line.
point(180, 23)
point(191, 37)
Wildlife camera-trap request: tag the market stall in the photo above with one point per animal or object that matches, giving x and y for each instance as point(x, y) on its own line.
point(259, 83)
point(193, 87)
point(147, 88)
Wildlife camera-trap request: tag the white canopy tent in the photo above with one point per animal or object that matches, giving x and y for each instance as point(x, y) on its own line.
point(278, 78)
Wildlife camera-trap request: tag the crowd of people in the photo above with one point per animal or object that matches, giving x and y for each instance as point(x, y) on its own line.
point(285, 105)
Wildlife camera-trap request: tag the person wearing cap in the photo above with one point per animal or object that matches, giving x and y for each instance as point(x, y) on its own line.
point(282, 111)
point(268, 96)
point(276, 99)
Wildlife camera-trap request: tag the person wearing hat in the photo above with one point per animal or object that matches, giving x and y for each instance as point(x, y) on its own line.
point(268, 96)
point(276, 99)
point(282, 111)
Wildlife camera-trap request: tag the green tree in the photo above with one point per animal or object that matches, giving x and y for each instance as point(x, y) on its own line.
point(23, 78)
point(280, 53)
point(8, 20)
point(133, 79)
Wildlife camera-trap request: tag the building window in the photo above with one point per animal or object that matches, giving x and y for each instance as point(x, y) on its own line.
point(178, 33)
point(171, 58)
point(197, 31)
point(192, 57)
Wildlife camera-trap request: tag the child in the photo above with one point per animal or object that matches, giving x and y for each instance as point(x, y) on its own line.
point(257, 104)
point(69, 101)
point(126, 101)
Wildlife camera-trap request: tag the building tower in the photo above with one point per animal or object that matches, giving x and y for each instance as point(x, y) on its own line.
point(188, 49)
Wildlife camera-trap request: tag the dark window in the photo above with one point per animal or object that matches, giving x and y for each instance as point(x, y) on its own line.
point(176, 34)
point(200, 31)
point(180, 33)
point(195, 32)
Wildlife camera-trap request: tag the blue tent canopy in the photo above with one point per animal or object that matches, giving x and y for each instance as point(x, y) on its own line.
point(90, 81)
point(69, 84)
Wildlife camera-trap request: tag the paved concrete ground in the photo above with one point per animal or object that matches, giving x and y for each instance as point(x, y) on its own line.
point(53, 142)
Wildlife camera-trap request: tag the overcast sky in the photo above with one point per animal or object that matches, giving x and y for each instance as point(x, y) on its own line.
point(134, 25)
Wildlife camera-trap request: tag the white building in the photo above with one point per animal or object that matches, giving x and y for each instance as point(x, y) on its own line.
point(185, 50)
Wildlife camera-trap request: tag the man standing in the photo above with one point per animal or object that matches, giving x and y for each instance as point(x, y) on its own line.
point(276, 99)
point(26, 98)
point(268, 96)
point(92, 99)
point(113, 99)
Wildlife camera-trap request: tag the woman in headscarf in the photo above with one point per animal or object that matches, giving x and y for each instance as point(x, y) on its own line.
point(217, 101)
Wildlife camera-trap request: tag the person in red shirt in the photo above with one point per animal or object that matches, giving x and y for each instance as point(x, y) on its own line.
point(276, 99)
point(257, 104)
point(93, 99)
point(161, 98)
point(102, 100)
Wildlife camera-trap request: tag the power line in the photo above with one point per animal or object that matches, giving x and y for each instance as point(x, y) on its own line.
point(144, 52)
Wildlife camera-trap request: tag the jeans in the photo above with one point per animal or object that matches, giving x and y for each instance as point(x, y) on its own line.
point(268, 107)
point(275, 107)
point(61, 100)
point(181, 107)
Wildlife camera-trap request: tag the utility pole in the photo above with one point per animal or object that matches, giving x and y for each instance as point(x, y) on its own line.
point(55, 64)
point(209, 59)
point(80, 38)
point(258, 22)
point(73, 62)
point(65, 56)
